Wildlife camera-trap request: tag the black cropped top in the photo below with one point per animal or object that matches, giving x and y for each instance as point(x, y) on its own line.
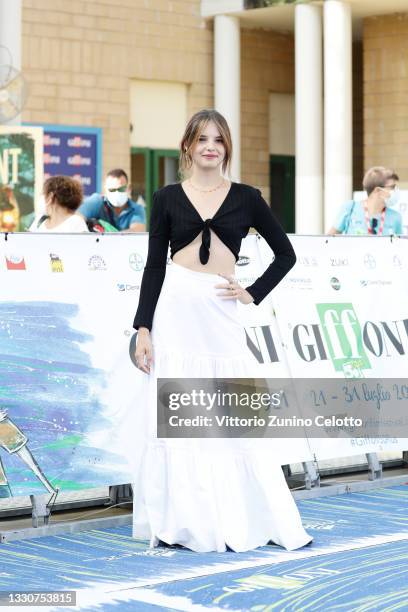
point(175, 220)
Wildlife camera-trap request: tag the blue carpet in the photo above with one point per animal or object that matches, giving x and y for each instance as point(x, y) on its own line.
point(374, 578)
point(349, 531)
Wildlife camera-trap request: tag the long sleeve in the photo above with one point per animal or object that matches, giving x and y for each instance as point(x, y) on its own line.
point(268, 227)
point(155, 269)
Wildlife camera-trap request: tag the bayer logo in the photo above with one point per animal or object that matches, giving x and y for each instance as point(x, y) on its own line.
point(369, 261)
point(397, 262)
point(136, 262)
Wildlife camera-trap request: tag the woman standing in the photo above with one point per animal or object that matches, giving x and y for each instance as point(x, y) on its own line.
point(206, 494)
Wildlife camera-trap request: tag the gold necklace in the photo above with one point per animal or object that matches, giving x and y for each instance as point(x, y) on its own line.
point(207, 190)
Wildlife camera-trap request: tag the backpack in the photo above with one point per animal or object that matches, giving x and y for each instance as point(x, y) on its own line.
point(100, 226)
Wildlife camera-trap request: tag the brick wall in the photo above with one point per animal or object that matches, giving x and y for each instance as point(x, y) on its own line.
point(267, 65)
point(78, 57)
point(385, 59)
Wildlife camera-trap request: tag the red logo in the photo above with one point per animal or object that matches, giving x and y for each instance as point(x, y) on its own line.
point(15, 262)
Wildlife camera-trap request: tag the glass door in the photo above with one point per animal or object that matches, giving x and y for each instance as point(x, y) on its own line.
point(282, 194)
point(152, 169)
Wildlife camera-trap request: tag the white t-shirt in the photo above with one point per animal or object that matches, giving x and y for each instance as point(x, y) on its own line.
point(73, 224)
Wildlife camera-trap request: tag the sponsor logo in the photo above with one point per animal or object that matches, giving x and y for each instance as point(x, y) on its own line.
point(342, 332)
point(15, 262)
point(77, 141)
point(79, 160)
point(56, 263)
point(308, 262)
point(243, 260)
point(369, 261)
point(340, 338)
point(51, 140)
point(396, 262)
point(136, 262)
point(299, 282)
point(84, 180)
point(335, 283)
point(127, 287)
point(365, 282)
point(337, 262)
point(51, 159)
point(96, 263)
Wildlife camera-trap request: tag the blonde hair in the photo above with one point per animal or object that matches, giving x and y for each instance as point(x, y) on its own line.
point(377, 176)
point(192, 133)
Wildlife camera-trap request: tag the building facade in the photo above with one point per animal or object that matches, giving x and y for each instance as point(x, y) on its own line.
point(315, 92)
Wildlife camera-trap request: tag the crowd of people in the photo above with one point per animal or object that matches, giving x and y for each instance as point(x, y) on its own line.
point(66, 210)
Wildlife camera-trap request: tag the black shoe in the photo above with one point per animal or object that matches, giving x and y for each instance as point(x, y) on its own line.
point(162, 544)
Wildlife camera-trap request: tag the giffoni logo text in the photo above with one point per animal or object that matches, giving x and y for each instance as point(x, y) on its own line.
point(341, 337)
point(338, 336)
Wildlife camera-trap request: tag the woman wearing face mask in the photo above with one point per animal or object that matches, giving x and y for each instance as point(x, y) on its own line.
point(62, 196)
point(206, 494)
point(374, 215)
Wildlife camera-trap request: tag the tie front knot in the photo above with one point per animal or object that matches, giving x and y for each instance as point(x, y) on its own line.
point(205, 242)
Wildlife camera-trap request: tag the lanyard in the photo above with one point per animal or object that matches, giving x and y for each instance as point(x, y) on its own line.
point(369, 227)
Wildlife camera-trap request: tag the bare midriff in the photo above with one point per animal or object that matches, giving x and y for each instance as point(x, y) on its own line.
point(221, 260)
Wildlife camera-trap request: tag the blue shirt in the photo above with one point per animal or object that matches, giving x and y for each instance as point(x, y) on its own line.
point(351, 220)
point(93, 208)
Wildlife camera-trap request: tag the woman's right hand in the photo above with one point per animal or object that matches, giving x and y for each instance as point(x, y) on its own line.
point(144, 350)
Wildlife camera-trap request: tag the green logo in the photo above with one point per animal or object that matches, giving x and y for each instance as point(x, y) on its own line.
point(342, 333)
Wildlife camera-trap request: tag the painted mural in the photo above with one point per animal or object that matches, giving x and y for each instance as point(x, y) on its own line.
point(49, 401)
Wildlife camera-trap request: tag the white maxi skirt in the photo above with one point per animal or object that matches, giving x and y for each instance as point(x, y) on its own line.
point(205, 494)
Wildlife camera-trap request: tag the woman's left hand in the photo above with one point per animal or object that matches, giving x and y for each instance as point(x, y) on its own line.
point(234, 291)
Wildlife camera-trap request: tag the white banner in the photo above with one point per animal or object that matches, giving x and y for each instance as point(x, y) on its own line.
point(343, 313)
point(265, 343)
point(68, 384)
point(66, 311)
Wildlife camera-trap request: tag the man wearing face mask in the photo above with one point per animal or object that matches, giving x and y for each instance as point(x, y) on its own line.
point(115, 206)
point(375, 214)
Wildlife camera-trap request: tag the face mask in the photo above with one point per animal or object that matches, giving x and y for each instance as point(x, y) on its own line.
point(117, 199)
point(393, 199)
